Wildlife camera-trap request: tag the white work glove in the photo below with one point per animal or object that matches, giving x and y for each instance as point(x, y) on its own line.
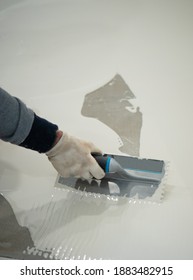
point(72, 157)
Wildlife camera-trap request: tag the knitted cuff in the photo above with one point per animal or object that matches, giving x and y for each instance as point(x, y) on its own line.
point(41, 137)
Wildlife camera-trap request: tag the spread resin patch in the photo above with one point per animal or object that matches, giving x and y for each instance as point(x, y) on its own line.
point(112, 105)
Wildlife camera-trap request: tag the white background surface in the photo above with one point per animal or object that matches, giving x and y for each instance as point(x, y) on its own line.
point(54, 52)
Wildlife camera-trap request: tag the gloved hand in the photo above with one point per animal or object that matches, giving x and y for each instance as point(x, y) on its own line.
point(72, 157)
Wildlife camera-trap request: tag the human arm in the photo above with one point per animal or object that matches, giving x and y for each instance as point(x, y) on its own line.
point(70, 156)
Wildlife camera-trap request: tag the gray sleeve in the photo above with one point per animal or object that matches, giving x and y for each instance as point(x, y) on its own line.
point(15, 119)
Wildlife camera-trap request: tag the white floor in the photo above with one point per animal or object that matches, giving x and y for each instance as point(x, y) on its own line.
point(52, 53)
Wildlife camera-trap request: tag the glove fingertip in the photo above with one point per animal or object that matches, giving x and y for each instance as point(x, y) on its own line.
point(97, 171)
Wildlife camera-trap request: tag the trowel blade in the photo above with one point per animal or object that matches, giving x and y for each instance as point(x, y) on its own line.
point(147, 180)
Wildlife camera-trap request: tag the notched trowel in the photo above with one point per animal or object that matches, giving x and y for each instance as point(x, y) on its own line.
point(125, 176)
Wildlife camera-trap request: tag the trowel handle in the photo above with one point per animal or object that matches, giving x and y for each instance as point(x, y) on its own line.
point(102, 160)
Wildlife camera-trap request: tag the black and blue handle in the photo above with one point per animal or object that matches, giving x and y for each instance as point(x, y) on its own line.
point(103, 161)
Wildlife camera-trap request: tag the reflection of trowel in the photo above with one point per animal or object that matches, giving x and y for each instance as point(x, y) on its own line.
point(132, 177)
